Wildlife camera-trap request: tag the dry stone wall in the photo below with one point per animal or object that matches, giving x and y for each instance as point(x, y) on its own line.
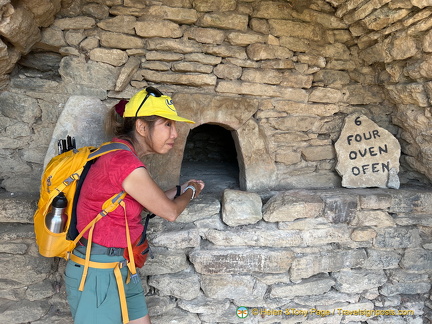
point(394, 37)
point(281, 76)
point(297, 256)
point(305, 66)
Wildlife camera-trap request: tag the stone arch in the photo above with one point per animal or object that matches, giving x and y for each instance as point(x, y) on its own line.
point(257, 168)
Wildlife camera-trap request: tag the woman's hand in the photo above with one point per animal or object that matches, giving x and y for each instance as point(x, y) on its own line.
point(198, 185)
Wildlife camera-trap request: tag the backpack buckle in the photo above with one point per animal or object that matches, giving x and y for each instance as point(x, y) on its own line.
point(72, 178)
point(135, 278)
point(112, 251)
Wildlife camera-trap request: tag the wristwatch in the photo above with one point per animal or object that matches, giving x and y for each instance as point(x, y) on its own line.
point(193, 191)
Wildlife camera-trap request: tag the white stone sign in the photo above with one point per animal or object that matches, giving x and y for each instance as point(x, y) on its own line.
point(368, 155)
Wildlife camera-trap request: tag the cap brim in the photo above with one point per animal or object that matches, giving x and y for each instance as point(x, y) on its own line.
point(174, 117)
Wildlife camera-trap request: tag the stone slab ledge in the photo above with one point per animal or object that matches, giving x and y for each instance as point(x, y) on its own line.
point(20, 207)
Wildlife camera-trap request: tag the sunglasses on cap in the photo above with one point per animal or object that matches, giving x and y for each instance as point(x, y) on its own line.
point(150, 92)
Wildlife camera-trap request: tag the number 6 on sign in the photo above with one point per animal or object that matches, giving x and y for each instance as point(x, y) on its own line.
point(357, 121)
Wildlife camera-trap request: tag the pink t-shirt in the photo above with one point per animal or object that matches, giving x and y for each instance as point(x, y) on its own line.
point(105, 179)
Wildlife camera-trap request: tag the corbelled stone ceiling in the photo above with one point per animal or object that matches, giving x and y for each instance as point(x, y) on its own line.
point(368, 21)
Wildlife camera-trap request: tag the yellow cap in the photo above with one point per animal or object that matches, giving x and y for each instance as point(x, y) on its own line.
point(152, 103)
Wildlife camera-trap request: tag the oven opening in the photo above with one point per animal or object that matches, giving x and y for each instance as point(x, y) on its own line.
point(210, 155)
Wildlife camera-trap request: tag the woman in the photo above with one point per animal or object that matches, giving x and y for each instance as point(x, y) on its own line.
point(147, 125)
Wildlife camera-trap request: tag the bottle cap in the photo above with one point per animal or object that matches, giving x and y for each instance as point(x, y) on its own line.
point(60, 201)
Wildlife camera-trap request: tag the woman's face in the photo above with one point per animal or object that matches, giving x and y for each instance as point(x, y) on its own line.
point(160, 139)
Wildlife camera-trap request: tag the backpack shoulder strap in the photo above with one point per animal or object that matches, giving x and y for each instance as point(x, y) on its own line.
point(94, 154)
point(106, 148)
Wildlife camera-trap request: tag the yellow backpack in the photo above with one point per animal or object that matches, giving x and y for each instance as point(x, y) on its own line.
point(65, 174)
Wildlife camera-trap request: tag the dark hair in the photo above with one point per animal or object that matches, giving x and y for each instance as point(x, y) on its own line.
point(124, 127)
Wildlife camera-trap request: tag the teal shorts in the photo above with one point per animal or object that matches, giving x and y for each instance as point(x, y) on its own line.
point(99, 303)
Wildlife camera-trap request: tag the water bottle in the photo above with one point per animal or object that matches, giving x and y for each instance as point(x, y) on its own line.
point(56, 219)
